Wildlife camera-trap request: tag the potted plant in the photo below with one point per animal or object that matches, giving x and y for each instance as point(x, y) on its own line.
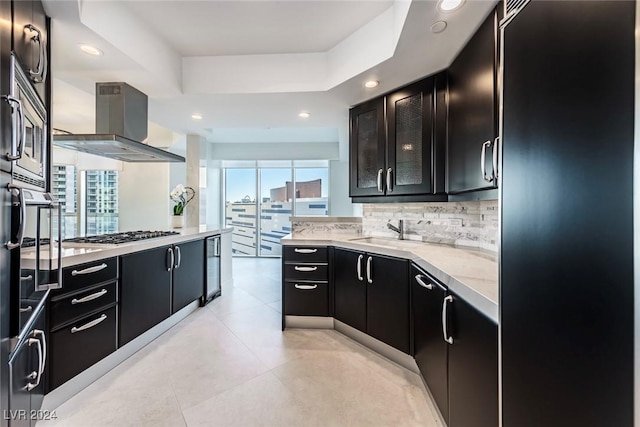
point(181, 195)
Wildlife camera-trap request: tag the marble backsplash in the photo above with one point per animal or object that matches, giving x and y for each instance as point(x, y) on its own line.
point(326, 225)
point(471, 224)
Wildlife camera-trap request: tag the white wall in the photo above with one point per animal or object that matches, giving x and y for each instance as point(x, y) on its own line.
point(144, 202)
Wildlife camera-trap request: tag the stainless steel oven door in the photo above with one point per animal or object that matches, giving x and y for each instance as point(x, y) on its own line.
point(37, 265)
point(29, 136)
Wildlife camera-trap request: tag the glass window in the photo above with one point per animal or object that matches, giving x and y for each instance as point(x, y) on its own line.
point(312, 192)
point(64, 188)
point(241, 209)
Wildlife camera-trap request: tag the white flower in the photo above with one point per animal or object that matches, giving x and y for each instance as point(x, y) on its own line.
point(180, 188)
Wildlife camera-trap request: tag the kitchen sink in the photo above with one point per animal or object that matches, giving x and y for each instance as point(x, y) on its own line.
point(382, 241)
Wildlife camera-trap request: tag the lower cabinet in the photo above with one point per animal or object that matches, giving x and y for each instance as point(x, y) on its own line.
point(26, 375)
point(145, 291)
point(372, 295)
point(473, 366)
point(77, 345)
point(306, 288)
point(430, 350)
point(188, 273)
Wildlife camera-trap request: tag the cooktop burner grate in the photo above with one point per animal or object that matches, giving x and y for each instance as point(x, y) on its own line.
point(118, 238)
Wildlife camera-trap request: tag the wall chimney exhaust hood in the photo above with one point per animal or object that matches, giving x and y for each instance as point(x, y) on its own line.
point(121, 125)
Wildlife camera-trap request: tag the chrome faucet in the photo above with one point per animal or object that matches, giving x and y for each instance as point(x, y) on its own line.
point(399, 229)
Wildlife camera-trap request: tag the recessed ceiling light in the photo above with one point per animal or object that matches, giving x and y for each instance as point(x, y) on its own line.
point(90, 50)
point(196, 116)
point(449, 5)
point(304, 114)
point(371, 84)
point(438, 27)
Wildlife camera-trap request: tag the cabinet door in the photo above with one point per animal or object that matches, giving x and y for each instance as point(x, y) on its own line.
point(145, 292)
point(388, 300)
point(472, 111)
point(473, 367)
point(367, 149)
point(409, 140)
point(21, 373)
point(430, 348)
point(350, 291)
point(188, 274)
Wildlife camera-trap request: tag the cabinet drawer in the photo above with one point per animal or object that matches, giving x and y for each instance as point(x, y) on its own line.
point(306, 272)
point(79, 345)
point(306, 299)
point(91, 273)
point(82, 303)
point(305, 254)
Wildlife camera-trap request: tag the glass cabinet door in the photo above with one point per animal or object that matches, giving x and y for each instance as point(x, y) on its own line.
point(367, 156)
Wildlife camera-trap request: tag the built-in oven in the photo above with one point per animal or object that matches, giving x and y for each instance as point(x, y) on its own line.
point(35, 270)
point(28, 153)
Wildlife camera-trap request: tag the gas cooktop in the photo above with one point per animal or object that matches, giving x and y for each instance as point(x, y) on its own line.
point(118, 238)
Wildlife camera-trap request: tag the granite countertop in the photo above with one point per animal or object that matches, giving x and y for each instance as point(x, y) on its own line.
point(471, 274)
point(76, 253)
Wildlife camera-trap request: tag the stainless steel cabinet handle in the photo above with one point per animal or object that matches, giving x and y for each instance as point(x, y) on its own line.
point(25, 278)
point(379, 180)
point(36, 334)
point(89, 270)
point(496, 145)
point(486, 177)
point(31, 386)
point(421, 283)
point(445, 334)
point(178, 257)
point(89, 297)
point(359, 267)
point(38, 74)
point(170, 254)
point(369, 278)
point(389, 180)
point(89, 325)
point(305, 251)
point(298, 268)
point(26, 309)
point(17, 192)
point(21, 127)
point(305, 287)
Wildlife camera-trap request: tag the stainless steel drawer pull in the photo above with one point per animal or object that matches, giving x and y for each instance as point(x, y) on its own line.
point(38, 373)
point(40, 333)
point(297, 268)
point(421, 283)
point(305, 251)
point(89, 325)
point(26, 309)
point(305, 287)
point(29, 277)
point(89, 270)
point(89, 297)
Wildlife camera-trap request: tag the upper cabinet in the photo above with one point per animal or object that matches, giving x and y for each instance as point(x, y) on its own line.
point(397, 145)
point(473, 112)
point(30, 42)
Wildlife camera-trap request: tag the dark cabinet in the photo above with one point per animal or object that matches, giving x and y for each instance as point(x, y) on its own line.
point(367, 149)
point(30, 40)
point(472, 365)
point(473, 112)
point(350, 289)
point(145, 291)
point(306, 288)
point(79, 344)
point(430, 350)
point(82, 319)
point(372, 295)
point(188, 273)
point(397, 144)
point(27, 364)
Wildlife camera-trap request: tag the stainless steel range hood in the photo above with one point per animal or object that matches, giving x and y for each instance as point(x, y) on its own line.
point(121, 125)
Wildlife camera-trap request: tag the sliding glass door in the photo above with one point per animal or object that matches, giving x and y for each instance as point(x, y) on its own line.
point(241, 210)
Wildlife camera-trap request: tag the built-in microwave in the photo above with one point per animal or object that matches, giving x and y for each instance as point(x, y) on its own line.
point(28, 154)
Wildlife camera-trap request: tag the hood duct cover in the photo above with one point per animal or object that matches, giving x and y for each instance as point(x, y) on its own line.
point(121, 125)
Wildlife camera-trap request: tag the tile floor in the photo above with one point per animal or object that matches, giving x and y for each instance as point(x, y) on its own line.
point(229, 364)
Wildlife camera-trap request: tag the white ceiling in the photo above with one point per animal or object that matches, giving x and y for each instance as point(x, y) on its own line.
point(259, 63)
point(207, 28)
